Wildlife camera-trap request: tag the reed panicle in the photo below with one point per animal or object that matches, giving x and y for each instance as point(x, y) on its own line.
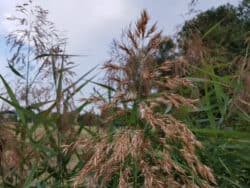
point(130, 152)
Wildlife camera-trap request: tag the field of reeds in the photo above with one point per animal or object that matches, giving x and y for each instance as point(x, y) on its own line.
point(169, 113)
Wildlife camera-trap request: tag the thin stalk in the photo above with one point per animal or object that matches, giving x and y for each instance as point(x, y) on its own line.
point(28, 62)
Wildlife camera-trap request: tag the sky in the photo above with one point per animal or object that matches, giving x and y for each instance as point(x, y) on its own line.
point(91, 25)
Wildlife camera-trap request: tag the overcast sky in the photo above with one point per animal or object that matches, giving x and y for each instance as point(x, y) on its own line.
point(90, 25)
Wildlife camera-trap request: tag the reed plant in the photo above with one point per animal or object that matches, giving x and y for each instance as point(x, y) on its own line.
point(144, 146)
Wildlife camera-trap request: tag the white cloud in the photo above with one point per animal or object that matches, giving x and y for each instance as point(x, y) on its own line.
point(6, 8)
point(85, 20)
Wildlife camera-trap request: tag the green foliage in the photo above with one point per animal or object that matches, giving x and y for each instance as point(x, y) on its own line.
point(227, 152)
point(215, 45)
point(223, 30)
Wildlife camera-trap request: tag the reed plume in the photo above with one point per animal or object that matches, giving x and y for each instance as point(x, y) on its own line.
point(146, 147)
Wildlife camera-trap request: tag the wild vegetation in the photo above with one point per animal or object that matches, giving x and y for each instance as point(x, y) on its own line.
point(172, 112)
